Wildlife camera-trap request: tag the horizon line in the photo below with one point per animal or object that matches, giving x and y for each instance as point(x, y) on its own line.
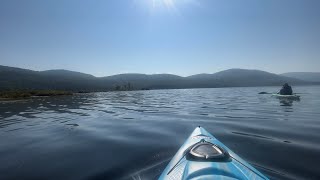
point(37, 70)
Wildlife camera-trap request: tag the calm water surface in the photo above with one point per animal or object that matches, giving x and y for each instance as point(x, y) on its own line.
point(133, 135)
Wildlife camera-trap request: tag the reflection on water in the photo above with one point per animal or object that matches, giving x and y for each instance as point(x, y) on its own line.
point(288, 102)
point(133, 135)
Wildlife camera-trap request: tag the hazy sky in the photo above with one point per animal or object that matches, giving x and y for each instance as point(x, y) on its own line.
point(184, 37)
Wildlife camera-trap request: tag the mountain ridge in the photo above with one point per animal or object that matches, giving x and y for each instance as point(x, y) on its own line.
point(306, 76)
point(59, 79)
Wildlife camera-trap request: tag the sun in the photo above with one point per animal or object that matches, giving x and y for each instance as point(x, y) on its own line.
point(169, 4)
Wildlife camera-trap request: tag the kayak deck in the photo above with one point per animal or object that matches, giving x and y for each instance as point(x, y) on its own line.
point(181, 167)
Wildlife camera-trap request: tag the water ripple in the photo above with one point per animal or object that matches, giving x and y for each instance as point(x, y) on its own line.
point(134, 134)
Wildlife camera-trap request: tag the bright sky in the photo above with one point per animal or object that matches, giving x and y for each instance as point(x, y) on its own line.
point(183, 37)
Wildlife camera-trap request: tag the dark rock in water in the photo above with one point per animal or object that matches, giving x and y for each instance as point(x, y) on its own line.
point(263, 93)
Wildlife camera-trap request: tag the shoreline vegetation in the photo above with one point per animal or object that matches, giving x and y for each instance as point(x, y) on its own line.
point(25, 94)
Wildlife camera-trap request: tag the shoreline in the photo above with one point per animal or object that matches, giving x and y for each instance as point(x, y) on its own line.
point(27, 94)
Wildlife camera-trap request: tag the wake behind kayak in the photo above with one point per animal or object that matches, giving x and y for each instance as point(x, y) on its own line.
point(204, 157)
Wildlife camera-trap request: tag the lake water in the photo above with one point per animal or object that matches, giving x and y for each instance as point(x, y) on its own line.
point(133, 135)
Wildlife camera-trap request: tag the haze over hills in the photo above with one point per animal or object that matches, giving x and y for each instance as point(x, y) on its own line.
point(16, 78)
point(305, 76)
point(67, 74)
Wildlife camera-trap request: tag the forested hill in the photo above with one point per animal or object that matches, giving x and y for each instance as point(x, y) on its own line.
point(16, 78)
point(305, 76)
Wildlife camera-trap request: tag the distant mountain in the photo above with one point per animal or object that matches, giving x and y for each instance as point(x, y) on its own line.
point(241, 77)
point(305, 76)
point(143, 81)
point(17, 78)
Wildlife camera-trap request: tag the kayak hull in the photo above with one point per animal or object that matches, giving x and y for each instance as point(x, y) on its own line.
point(292, 97)
point(180, 168)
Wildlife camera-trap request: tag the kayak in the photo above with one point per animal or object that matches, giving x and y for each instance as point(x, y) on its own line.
point(293, 97)
point(204, 157)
